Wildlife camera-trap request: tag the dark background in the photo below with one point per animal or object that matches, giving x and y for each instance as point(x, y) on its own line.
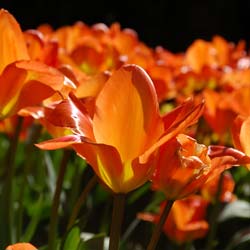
point(171, 24)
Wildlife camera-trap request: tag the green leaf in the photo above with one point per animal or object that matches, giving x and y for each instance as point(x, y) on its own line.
point(236, 209)
point(72, 239)
point(34, 220)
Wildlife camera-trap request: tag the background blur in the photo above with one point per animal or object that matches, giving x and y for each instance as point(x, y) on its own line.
point(172, 24)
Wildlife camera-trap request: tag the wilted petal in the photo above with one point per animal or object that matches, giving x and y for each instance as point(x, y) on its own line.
point(224, 158)
point(181, 168)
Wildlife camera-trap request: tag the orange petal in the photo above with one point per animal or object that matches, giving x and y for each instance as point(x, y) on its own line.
point(127, 105)
point(78, 120)
point(241, 134)
point(21, 246)
point(236, 131)
point(244, 138)
point(38, 77)
point(106, 163)
point(176, 122)
point(57, 143)
point(12, 42)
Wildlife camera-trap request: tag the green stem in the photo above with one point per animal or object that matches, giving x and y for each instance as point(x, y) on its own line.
point(35, 132)
point(56, 201)
point(6, 216)
point(157, 200)
point(81, 200)
point(210, 243)
point(116, 223)
point(157, 231)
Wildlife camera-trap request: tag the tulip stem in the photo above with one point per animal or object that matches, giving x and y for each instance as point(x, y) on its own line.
point(210, 244)
point(56, 201)
point(6, 215)
point(157, 231)
point(92, 182)
point(35, 132)
point(116, 223)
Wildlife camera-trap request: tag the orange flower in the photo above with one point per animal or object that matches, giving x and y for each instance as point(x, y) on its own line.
point(186, 220)
point(213, 54)
point(21, 246)
point(241, 134)
point(184, 166)
point(209, 189)
point(20, 77)
point(181, 168)
point(123, 131)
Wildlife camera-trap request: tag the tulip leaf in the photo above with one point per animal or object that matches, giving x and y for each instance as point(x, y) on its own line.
point(31, 228)
point(72, 239)
point(236, 209)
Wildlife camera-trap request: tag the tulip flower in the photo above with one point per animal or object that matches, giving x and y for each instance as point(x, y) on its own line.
point(120, 137)
point(210, 188)
point(186, 221)
point(21, 77)
point(241, 134)
point(184, 165)
point(21, 246)
point(181, 168)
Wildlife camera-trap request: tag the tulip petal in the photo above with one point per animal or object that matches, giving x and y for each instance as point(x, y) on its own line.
point(241, 134)
point(58, 143)
point(12, 44)
point(105, 161)
point(127, 105)
point(42, 81)
point(176, 122)
point(71, 113)
point(21, 246)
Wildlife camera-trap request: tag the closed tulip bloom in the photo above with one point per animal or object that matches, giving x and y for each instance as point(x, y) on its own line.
point(121, 134)
point(186, 221)
point(21, 246)
point(210, 188)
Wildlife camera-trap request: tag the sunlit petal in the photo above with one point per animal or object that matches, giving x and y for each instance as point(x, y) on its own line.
point(12, 44)
point(127, 105)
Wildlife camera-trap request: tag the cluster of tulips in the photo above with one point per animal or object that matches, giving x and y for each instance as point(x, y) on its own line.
point(140, 118)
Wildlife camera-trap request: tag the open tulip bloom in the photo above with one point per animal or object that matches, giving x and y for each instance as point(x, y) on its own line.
point(21, 77)
point(120, 136)
point(184, 165)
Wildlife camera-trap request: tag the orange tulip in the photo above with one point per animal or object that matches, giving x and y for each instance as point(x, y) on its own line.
point(21, 246)
point(21, 77)
point(210, 188)
point(186, 220)
point(121, 135)
point(241, 134)
point(184, 166)
point(181, 168)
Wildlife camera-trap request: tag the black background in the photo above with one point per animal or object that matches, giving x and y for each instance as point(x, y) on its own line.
point(171, 24)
